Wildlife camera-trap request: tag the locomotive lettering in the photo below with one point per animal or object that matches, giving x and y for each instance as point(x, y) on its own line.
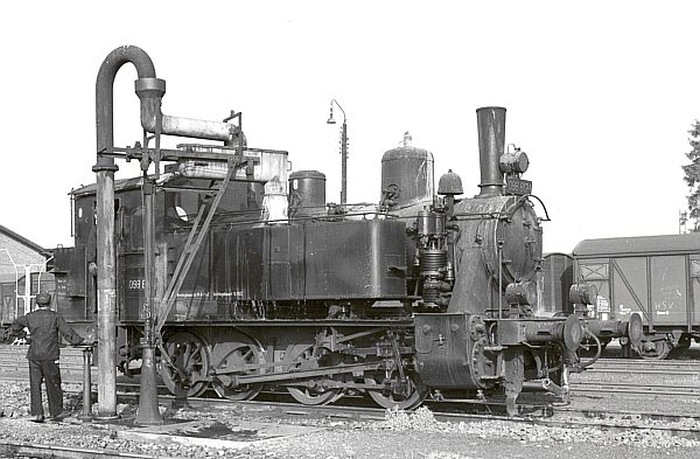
point(137, 284)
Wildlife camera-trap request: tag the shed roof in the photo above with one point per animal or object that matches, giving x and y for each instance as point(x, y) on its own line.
point(23, 240)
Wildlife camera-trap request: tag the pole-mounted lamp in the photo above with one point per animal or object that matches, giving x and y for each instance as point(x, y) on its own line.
point(343, 152)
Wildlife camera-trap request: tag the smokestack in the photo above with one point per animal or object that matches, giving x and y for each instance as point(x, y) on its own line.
point(491, 122)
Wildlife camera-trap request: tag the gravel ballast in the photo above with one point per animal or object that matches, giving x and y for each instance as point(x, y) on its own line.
point(399, 435)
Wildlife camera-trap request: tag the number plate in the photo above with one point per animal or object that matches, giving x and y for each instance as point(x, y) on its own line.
point(518, 187)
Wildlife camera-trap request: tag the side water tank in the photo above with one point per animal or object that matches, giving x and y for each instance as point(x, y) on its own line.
point(307, 189)
point(407, 175)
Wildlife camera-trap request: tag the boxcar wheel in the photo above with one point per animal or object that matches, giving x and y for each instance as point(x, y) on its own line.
point(682, 346)
point(654, 350)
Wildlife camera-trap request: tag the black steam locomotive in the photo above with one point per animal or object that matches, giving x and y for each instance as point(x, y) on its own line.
point(262, 283)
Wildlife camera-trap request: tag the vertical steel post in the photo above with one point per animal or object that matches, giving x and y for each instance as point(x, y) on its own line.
point(106, 260)
point(148, 413)
point(344, 162)
point(106, 294)
point(27, 289)
point(87, 385)
point(343, 152)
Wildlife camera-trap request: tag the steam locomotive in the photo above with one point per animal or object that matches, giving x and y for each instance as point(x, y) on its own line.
point(263, 284)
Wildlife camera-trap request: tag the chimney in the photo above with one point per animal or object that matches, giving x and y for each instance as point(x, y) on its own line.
point(491, 123)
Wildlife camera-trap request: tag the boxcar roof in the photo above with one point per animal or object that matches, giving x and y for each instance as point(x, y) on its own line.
point(673, 243)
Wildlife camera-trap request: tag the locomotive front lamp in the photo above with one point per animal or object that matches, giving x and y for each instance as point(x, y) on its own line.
point(514, 162)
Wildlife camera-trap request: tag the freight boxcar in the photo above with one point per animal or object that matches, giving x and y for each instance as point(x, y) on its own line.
point(657, 277)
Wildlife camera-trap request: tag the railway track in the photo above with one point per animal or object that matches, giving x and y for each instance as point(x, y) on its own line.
point(665, 378)
point(34, 450)
point(639, 366)
point(612, 377)
point(636, 389)
point(283, 410)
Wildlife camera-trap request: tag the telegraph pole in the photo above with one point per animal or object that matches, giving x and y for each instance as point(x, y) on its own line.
point(343, 152)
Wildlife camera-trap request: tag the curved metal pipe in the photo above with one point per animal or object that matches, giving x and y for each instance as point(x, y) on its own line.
point(105, 95)
point(598, 353)
point(106, 259)
point(150, 91)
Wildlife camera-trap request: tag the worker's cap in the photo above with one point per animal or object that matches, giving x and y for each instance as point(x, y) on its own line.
point(43, 298)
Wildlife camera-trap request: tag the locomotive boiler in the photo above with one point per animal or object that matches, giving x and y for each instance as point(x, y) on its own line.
point(259, 283)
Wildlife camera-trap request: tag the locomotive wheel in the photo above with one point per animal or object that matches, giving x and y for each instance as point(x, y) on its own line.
point(302, 357)
point(238, 358)
point(414, 394)
point(185, 366)
point(654, 350)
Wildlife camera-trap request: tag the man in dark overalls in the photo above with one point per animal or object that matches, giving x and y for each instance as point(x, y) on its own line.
point(44, 327)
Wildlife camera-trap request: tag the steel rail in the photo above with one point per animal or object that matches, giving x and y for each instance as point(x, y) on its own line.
point(635, 389)
point(642, 371)
point(67, 452)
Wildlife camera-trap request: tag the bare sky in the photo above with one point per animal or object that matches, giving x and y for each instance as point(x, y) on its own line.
point(600, 95)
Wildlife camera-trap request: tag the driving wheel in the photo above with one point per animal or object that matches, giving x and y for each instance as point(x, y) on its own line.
point(184, 367)
point(238, 358)
point(311, 391)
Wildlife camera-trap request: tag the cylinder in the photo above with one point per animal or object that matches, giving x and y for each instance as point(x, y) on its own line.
point(407, 172)
point(431, 223)
point(491, 123)
point(309, 187)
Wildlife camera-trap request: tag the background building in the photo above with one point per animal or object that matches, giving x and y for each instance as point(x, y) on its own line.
point(22, 274)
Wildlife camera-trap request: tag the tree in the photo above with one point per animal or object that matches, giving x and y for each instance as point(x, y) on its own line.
point(692, 176)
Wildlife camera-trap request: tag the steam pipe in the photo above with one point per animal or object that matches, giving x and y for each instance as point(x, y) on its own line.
point(491, 124)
